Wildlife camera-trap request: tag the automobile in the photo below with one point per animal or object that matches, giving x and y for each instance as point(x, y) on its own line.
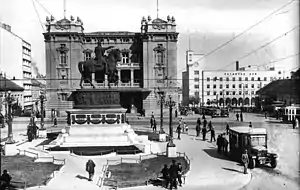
point(255, 141)
point(220, 113)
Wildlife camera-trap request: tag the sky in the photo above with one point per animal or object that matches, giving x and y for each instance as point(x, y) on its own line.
point(208, 24)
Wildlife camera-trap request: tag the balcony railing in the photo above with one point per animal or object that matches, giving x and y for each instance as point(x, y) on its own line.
point(113, 85)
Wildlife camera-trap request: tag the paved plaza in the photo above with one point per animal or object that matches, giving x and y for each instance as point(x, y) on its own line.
point(208, 169)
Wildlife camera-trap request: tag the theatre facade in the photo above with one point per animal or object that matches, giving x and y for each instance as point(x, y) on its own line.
point(148, 63)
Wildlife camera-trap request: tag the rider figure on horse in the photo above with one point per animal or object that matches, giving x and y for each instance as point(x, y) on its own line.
point(99, 55)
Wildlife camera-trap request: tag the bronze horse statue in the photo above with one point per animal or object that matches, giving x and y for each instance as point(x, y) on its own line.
point(86, 68)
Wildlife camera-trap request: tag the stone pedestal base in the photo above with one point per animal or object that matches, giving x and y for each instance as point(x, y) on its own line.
point(171, 151)
point(162, 137)
point(43, 133)
point(10, 149)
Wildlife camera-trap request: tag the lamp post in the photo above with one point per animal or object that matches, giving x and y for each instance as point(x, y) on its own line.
point(42, 98)
point(9, 101)
point(162, 101)
point(223, 98)
point(171, 105)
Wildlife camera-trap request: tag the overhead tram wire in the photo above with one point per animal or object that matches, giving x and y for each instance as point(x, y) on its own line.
point(250, 53)
point(44, 8)
point(240, 34)
point(36, 11)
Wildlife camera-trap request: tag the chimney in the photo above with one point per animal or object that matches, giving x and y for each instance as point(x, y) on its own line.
point(237, 66)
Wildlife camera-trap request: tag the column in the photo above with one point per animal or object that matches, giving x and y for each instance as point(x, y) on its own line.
point(119, 74)
point(131, 77)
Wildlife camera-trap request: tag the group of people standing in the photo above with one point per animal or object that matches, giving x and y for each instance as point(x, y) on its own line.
point(172, 175)
point(222, 144)
point(205, 129)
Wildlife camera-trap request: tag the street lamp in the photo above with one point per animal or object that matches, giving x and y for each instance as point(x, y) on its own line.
point(162, 101)
point(42, 98)
point(9, 101)
point(171, 105)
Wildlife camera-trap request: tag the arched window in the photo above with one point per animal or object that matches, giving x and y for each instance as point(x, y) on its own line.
point(159, 54)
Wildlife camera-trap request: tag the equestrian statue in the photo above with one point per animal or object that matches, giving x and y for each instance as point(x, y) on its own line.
point(106, 64)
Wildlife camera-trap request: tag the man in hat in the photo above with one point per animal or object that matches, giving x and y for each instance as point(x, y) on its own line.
point(245, 160)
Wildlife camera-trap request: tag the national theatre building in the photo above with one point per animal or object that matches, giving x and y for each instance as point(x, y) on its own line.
point(148, 63)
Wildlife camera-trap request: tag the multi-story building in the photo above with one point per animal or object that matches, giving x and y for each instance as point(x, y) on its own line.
point(235, 88)
point(15, 62)
point(191, 77)
point(149, 62)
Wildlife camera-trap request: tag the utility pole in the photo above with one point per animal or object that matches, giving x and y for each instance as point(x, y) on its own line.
point(162, 101)
point(171, 104)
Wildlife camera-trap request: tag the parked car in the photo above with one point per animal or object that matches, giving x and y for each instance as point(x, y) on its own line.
point(255, 141)
point(221, 113)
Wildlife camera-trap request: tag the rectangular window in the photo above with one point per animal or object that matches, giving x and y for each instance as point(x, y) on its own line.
point(208, 86)
point(227, 78)
point(221, 86)
point(221, 93)
point(215, 78)
point(196, 72)
point(208, 93)
point(215, 86)
point(252, 92)
point(221, 79)
point(227, 93)
point(125, 58)
point(63, 58)
point(252, 85)
point(227, 85)
point(252, 78)
point(240, 92)
point(246, 85)
point(246, 92)
point(196, 79)
point(240, 78)
point(240, 85)
point(215, 93)
point(208, 79)
point(233, 78)
point(265, 78)
point(233, 93)
point(258, 78)
point(246, 78)
point(87, 56)
point(196, 86)
point(233, 86)
point(197, 93)
point(63, 97)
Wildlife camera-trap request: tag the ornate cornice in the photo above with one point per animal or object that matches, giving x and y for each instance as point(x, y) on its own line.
point(62, 49)
point(87, 51)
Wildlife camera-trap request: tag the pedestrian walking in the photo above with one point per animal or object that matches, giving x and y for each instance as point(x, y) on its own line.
point(245, 160)
point(209, 125)
point(212, 134)
point(154, 125)
point(152, 121)
point(186, 127)
point(219, 144)
point(266, 115)
point(176, 113)
point(237, 116)
point(204, 123)
point(241, 117)
point(294, 123)
point(198, 129)
point(203, 133)
point(166, 176)
point(178, 130)
point(227, 129)
point(173, 172)
point(179, 174)
point(225, 145)
point(203, 116)
point(55, 122)
point(90, 168)
point(250, 124)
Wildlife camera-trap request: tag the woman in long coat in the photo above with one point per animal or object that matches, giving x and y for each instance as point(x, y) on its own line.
point(90, 168)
